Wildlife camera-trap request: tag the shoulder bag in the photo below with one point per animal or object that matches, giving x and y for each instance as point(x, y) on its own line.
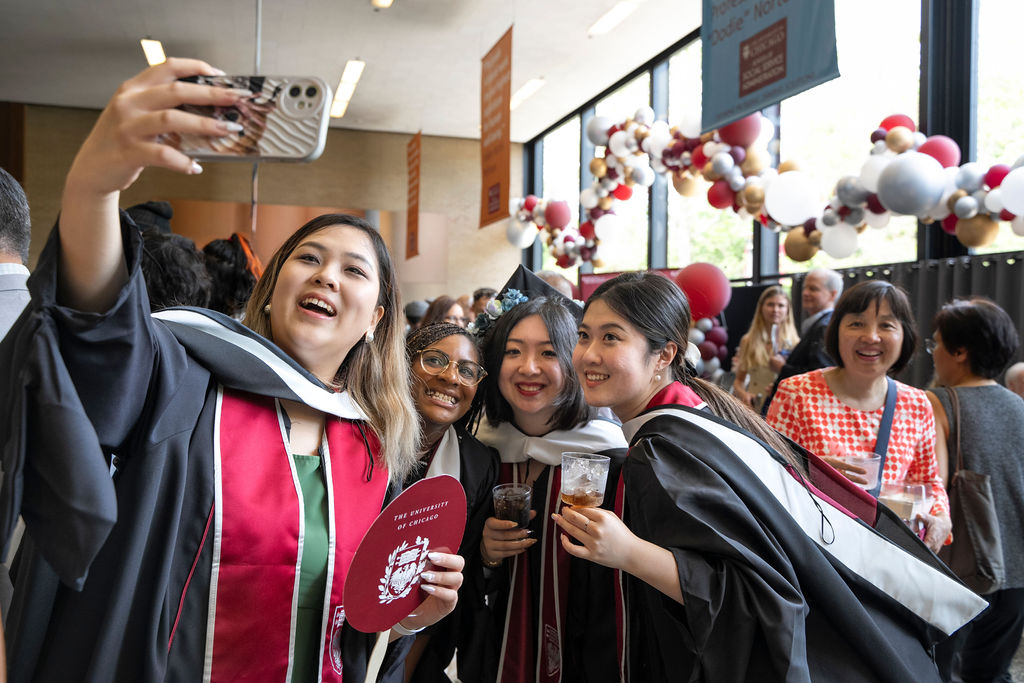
point(976, 553)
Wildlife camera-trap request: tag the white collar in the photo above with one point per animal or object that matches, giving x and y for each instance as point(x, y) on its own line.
point(446, 457)
point(13, 269)
point(514, 446)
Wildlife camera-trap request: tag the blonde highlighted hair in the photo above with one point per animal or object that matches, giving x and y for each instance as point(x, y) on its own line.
point(376, 375)
point(755, 345)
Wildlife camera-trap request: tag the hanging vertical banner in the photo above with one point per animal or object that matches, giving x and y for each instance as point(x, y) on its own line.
point(412, 203)
point(495, 95)
point(759, 52)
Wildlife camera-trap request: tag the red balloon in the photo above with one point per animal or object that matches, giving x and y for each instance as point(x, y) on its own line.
point(718, 335)
point(706, 287)
point(949, 223)
point(698, 158)
point(720, 195)
point(1005, 215)
point(529, 202)
point(995, 175)
point(708, 350)
point(557, 214)
point(942, 149)
point(622, 192)
point(565, 261)
point(890, 122)
point(587, 230)
point(741, 133)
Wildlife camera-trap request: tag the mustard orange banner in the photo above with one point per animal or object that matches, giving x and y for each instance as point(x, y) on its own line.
point(495, 94)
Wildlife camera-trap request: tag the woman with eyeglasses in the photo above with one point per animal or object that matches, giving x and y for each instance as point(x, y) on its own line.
point(446, 372)
point(554, 615)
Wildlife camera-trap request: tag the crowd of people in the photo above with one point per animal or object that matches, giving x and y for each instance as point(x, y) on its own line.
point(194, 483)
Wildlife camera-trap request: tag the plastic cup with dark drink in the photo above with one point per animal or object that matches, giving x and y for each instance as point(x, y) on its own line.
point(584, 476)
point(512, 502)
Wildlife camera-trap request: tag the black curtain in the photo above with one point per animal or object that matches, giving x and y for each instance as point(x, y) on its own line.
point(930, 284)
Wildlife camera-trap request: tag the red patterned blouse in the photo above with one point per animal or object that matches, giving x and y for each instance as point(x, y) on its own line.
point(806, 410)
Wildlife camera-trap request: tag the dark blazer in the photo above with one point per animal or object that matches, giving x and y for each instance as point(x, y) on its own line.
point(807, 355)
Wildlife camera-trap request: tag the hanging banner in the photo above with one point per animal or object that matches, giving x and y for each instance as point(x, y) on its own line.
point(495, 157)
point(412, 211)
point(759, 52)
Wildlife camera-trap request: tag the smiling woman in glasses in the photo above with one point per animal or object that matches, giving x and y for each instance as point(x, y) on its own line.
point(445, 373)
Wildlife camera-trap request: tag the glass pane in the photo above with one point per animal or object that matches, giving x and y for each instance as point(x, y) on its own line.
point(698, 231)
point(626, 247)
point(827, 129)
point(562, 178)
point(1000, 97)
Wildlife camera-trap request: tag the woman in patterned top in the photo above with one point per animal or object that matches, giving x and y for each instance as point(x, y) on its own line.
point(838, 410)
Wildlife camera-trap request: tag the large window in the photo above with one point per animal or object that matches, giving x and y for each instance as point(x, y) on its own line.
point(698, 231)
point(626, 247)
point(1000, 97)
point(561, 179)
point(827, 130)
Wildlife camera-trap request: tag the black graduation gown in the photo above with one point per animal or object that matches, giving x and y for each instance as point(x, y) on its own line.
point(106, 560)
point(465, 626)
point(762, 600)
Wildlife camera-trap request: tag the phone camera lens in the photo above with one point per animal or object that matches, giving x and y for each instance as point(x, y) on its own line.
point(231, 115)
point(311, 91)
point(295, 91)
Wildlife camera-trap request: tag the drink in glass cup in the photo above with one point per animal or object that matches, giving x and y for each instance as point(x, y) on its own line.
point(871, 463)
point(512, 502)
point(906, 500)
point(584, 476)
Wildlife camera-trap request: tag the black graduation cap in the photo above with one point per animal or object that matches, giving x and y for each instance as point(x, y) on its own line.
point(531, 286)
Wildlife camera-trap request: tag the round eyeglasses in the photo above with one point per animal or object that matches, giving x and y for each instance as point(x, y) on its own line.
point(436, 362)
point(929, 346)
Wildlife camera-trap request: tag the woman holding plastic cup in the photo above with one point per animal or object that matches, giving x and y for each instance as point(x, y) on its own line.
point(736, 568)
point(839, 412)
point(554, 615)
point(445, 374)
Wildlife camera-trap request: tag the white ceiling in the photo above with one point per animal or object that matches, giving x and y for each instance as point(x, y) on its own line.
point(422, 56)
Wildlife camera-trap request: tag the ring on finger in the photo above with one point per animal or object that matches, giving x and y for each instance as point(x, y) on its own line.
point(586, 525)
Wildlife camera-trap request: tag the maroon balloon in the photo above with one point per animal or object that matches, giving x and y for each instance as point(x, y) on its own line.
point(810, 225)
point(949, 223)
point(720, 195)
point(738, 154)
point(723, 353)
point(1005, 215)
point(995, 175)
point(706, 287)
point(596, 213)
point(874, 205)
point(708, 350)
point(557, 214)
point(717, 335)
point(741, 133)
point(587, 230)
point(878, 134)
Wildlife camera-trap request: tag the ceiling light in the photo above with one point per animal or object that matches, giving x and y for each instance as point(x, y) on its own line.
point(154, 51)
point(612, 18)
point(381, 4)
point(529, 88)
point(347, 87)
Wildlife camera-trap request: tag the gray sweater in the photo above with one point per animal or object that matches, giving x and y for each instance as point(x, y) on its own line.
point(992, 442)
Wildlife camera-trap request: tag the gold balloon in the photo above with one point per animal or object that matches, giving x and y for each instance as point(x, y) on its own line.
point(598, 263)
point(899, 139)
point(684, 184)
point(755, 209)
point(642, 132)
point(628, 181)
point(709, 173)
point(861, 228)
point(797, 246)
point(927, 220)
point(951, 202)
point(979, 231)
point(598, 167)
point(814, 238)
point(673, 130)
point(606, 202)
point(707, 137)
point(788, 165)
point(753, 195)
point(756, 161)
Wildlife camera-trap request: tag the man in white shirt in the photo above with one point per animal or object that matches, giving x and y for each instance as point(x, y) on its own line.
point(15, 232)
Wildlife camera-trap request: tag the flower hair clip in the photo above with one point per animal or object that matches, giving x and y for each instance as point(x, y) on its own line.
point(495, 307)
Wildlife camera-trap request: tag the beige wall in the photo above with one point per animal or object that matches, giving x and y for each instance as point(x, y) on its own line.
point(358, 169)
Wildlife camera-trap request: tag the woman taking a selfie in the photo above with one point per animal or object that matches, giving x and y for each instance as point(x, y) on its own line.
point(554, 615)
point(199, 488)
point(737, 569)
point(446, 373)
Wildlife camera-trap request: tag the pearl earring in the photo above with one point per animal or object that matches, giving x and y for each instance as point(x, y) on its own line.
point(266, 309)
point(369, 336)
point(657, 378)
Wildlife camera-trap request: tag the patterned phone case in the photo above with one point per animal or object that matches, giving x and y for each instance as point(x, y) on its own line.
point(285, 119)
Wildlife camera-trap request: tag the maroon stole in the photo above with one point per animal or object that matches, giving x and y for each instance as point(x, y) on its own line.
point(532, 647)
point(257, 539)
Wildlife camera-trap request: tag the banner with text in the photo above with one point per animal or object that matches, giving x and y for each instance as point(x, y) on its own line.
point(495, 157)
point(759, 52)
point(412, 221)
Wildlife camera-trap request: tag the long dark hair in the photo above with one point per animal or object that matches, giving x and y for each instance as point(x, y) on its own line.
point(561, 318)
point(658, 309)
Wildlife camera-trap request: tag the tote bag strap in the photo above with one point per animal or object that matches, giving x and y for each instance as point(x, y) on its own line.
point(954, 430)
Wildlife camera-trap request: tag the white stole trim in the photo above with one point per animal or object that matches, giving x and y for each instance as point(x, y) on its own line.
point(939, 600)
point(446, 458)
point(514, 446)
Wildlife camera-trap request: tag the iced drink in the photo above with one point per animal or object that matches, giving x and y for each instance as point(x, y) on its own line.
point(512, 502)
point(584, 476)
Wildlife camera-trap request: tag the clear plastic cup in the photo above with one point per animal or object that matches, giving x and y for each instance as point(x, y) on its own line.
point(870, 462)
point(584, 476)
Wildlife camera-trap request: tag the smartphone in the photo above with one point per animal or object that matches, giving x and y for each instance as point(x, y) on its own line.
point(285, 119)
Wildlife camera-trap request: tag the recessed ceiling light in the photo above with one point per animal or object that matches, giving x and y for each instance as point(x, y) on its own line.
point(347, 87)
point(529, 88)
point(612, 17)
point(381, 4)
point(154, 51)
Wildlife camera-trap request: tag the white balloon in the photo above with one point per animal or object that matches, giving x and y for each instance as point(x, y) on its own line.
point(919, 139)
point(711, 365)
point(717, 374)
point(1019, 162)
point(696, 336)
point(618, 143)
point(643, 175)
point(911, 183)
point(994, 200)
point(519, 235)
point(766, 134)
point(635, 160)
point(879, 148)
point(658, 167)
point(1013, 190)
point(644, 116)
point(871, 169)
point(878, 220)
point(705, 324)
point(840, 242)
point(597, 129)
point(606, 225)
point(1017, 225)
point(588, 198)
point(691, 124)
point(790, 199)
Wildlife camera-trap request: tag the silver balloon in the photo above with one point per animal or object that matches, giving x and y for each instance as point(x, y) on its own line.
point(919, 139)
point(855, 217)
point(994, 200)
point(1019, 162)
point(644, 116)
point(597, 129)
point(911, 183)
point(971, 177)
point(879, 148)
point(696, 336)
point(722, 163)
point(966, 207)
point(851, 191)
point(829, 218)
